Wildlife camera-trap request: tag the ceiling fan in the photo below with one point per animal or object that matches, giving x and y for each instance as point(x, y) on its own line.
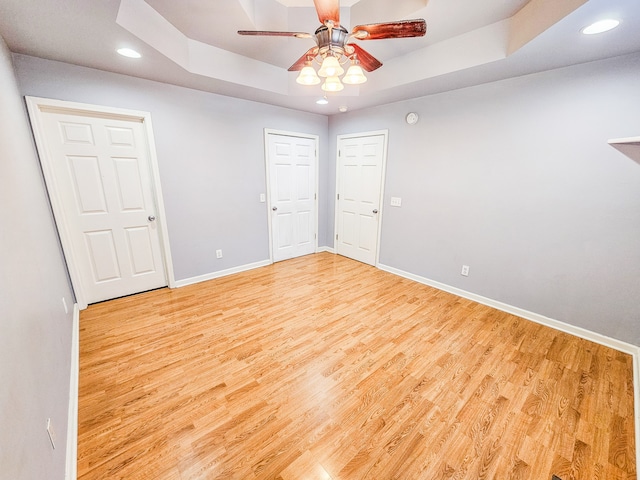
point(333, 47)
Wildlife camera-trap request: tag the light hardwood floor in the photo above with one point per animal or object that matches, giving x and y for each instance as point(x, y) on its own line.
point(324, 368)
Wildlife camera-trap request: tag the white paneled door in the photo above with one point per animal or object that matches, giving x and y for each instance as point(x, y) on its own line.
point(291, 164)
point(359, 198)
point(100, 170)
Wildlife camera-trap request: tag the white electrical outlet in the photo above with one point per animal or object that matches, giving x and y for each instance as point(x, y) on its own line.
point(465, 270)
point(51, 433)
point(396, 202)
point(218, 253)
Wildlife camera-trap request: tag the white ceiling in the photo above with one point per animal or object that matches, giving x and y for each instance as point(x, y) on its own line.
point(193, 43)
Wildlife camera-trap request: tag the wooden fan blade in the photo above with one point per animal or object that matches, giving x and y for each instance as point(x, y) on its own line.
point(267, 33)
point(400, 29)
point(367, 61)
point(301, 62)
point(328, 11)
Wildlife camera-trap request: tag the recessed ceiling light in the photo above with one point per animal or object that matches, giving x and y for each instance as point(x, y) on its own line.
point(127, 52)
point(343, 108)
point(322, 101)
point(601, 26)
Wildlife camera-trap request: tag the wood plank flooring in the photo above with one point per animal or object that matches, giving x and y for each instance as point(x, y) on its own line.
point(325, 368)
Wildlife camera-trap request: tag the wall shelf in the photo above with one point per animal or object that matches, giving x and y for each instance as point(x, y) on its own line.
point(630, 146)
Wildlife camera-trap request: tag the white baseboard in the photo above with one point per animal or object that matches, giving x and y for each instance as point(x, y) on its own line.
point(71, 469)
point(231, 271)
point(221, 273)
point(534, 317)
point(598, 338)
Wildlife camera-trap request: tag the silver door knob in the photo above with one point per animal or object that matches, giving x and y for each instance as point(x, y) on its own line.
point(274, 208)
point(152, 218)
point(375, 210)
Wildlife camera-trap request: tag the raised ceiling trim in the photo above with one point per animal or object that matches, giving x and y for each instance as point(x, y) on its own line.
point(536, 17)
point(481, 46)
point(484, 45)
point(144, 22)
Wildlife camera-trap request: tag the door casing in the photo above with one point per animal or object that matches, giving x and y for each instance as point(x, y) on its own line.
point(37, 108)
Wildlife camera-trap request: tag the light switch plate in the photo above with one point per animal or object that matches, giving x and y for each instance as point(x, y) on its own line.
point(396, 202)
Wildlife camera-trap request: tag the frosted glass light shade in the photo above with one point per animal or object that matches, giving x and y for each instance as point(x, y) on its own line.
point(308, 76)
point(330, 67)
point(354, 76)
point(332, 84)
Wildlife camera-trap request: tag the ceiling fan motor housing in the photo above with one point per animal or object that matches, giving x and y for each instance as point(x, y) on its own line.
point(331, 39)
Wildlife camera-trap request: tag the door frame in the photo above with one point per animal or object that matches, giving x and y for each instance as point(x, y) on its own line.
point(385, 146)
point(37, 108)
point(316, 139)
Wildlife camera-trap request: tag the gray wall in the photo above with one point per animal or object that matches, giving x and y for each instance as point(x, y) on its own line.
point(210, 155)
point(513, 178)
point(35, 332)
point(516, 180)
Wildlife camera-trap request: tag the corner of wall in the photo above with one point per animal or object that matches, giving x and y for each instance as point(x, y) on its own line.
point(71, 470)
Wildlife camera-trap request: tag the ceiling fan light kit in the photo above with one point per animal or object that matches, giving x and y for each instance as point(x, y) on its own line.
point(333, 49)
point(308, 76)
point(332, 84)
point(330, 67)
point(355, 75)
